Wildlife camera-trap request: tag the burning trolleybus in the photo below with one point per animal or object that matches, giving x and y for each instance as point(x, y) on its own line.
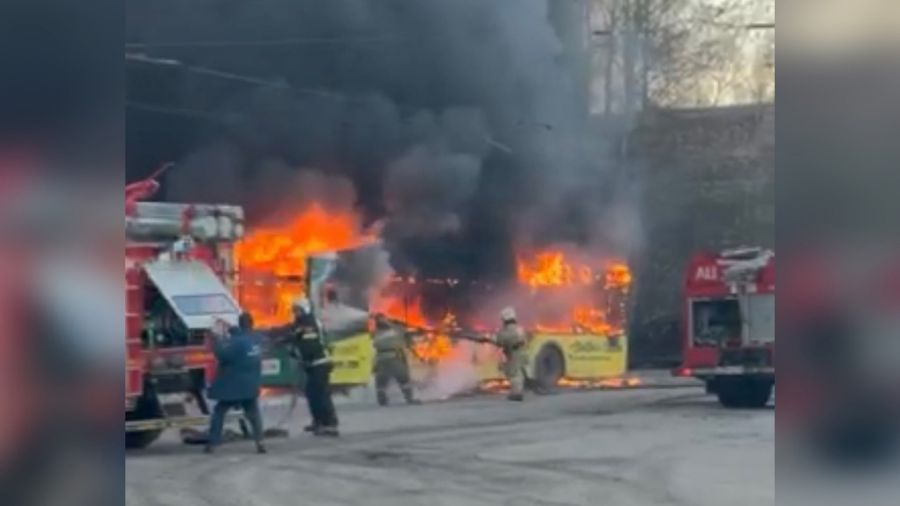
point(574, 315)
point(575, 322)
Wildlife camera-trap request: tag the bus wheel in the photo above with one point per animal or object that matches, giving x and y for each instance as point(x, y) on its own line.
point(549, 368)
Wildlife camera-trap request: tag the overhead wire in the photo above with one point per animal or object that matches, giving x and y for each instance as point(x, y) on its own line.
point(290, 41)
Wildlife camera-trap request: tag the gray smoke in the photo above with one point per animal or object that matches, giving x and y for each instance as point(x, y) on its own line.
point(461, 123)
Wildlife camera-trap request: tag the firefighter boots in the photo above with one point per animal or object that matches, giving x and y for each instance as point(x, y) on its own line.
point(409, 397)
point(327, 432)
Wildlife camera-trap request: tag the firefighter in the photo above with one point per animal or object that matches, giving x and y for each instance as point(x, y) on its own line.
point(512, 340)
point(390, 360)
point(315, 358)
point(237, 380)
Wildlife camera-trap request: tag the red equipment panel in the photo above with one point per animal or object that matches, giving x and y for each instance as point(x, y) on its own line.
point(706, 282)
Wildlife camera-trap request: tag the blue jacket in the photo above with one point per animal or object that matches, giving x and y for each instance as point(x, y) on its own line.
point(239, 368)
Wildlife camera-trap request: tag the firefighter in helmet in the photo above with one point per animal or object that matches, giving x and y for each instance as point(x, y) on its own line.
point(315, 358)
point(390, 343)
point(511, 339)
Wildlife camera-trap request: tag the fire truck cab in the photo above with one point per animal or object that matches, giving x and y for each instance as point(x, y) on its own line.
point(177, 263)
point(729, 325)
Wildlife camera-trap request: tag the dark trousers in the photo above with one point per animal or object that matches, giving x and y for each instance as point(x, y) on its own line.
point(388, 368)
point(250, 407)
point(318, 396)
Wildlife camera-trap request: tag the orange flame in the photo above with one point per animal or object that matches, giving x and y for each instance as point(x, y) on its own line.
point(406, 310)
point(501, 385)
point(432, 347)
point(618, 276)
point(494, 385)
point(272, 261)
point(613, 383)
point(551, 270)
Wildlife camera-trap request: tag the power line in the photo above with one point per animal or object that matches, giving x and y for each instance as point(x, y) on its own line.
point(193, 113)
point(297, 41)
point(221, 74)
point(176, 111)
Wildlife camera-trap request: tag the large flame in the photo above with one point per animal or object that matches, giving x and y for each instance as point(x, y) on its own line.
point(432, 347)
point(402, 309)
point(552, 269)
point(431, 342)
point(550, 274)
point(272, 261)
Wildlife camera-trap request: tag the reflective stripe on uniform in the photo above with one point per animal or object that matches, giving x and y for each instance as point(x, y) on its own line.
point(323, 360)
point(309, 335)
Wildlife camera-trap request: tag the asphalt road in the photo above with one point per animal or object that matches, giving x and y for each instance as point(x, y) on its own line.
point(620, 448)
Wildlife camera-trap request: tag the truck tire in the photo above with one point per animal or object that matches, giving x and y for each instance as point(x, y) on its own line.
point(729, 393)
point(147, 408)
point(549, 368)
point(757, 395)
point(142, 439)
point(743, 392)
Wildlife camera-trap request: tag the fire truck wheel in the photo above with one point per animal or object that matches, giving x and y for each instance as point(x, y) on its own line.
point(147, 408)
point(142, 439)
point(549, 367)
point(743, 393)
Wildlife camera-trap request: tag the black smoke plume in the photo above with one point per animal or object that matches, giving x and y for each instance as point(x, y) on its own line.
point(460, 123)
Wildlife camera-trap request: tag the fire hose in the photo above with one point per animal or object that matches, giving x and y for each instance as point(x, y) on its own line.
point(462, 335)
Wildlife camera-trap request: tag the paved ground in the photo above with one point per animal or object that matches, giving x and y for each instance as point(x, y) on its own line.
point(621, 448)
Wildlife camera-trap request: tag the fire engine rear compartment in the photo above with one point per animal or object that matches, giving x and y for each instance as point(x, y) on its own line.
point(722, 321)
point(181, 299)
point(736, 332)
point(715, 321)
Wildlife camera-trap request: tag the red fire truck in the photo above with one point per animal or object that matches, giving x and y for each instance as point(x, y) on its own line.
point(177, 261)
point(729, 325)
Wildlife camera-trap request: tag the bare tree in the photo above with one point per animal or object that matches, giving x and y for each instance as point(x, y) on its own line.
point(683, 52)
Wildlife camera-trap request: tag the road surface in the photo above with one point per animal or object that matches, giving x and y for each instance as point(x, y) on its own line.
point(621, 448)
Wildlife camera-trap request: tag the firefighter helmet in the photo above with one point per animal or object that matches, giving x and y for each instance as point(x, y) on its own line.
point(302, 305)
point(508, 314)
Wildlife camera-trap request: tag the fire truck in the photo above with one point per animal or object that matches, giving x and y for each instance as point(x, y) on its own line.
point(177, 263)
point(729, 325)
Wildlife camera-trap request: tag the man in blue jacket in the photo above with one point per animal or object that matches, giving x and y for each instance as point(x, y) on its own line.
point(237, 381)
